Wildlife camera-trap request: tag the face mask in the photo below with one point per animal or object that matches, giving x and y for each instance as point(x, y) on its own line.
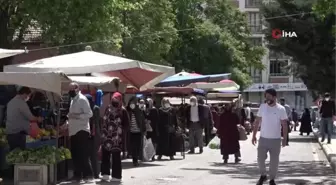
point(132, 106)
point(269, 102)
point(115, 104)
point(327, 98)
point(72, 93)
point(192, 103)
point(167, 105)
point(142, 106)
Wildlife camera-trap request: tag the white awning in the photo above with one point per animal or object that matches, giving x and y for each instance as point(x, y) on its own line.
point(4, 53)
point(51, 81)
point(103, 83)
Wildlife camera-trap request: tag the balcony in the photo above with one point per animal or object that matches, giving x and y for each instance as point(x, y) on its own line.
point(256, 29)
point(252, 3)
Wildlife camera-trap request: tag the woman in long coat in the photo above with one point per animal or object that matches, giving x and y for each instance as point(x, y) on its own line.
point(229, 134)
point(166, 129)
point(306, 123)
point(152, 116)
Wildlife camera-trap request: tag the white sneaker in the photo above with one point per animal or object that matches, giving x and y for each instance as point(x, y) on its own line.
point(115, 180)
point(105, 178)
point(90, 181)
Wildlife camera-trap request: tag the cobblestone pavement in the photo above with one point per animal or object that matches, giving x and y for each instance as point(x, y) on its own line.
point(302, 163)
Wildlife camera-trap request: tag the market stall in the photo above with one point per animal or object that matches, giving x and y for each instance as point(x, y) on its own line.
point(4, 53)
point(139, 74)
point(43, 149)
point(219, 86)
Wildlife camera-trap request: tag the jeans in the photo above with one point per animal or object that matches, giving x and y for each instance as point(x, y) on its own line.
point(80, 155)
point(136, 147)
point(106, 163)
point(195, 139)
point(326, 127)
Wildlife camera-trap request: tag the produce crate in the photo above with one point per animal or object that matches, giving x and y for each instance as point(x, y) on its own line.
point(30, 174)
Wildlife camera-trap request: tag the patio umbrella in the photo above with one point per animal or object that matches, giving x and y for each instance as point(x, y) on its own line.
point(4, 53)
point(221, 85)
point(140, 74)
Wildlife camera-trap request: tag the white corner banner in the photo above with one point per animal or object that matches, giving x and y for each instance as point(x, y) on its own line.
point(260, 87)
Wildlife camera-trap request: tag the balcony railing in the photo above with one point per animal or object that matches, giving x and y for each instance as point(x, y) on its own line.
point(252, 3)
point(256, 28)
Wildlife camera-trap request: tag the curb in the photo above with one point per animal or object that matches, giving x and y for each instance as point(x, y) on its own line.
point(330, 156)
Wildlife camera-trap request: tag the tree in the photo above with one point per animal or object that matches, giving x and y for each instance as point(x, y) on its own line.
point(324, 8)
point(312, 50)
point(214, 38)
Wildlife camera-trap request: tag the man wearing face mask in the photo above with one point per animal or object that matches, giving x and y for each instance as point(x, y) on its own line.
point(289, 115)
point(270, 117)
point(327, 112)
point(18, 119)
point(194, 124)
point(79, 131)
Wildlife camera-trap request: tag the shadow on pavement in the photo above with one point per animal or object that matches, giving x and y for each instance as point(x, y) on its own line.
point(129, 165)
point(302, 139)
point(290, 172)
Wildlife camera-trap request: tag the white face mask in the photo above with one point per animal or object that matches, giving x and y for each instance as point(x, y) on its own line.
point(327, 99)
point(132, 106)
point(192, 103)
point(167, 105)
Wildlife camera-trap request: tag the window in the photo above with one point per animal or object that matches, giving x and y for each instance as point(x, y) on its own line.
point(256, 41)
point(256, 75)
point(252, 3)
point(278, 67)
point(254, 20)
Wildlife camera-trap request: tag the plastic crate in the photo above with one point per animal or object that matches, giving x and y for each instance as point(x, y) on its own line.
point(30, 174)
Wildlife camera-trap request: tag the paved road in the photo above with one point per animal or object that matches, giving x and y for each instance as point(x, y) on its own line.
point(301, 163)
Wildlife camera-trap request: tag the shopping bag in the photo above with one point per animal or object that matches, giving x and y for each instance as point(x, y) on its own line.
point(214, 143)
point(34, 129)
point(148, 149)
point(242, 133)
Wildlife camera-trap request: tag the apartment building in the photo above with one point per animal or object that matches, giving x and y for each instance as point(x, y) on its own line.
point(274, 75)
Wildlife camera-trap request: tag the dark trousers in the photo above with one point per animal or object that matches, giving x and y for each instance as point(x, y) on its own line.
point(136, 149)
point(106, 163)
point(237, 155)
point(288, 130)
point(93, 152)
point(17, 140)
point(80, 155)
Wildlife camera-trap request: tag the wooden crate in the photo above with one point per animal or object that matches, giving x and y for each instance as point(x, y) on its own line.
point(30, 174)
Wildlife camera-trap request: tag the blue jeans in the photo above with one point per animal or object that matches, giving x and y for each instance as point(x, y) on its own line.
point(326, 126)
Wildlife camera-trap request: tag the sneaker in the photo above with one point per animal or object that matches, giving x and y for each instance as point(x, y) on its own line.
point(262, 179)
point(191, 152)
point(272, 182)
point(225, 161)
point(201, 150)
point(237, 160)
point(89, 180)
point(115, 180)
point(105, 178)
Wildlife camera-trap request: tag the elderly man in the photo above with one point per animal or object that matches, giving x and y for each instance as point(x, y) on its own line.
point(194, 115)
point(79, 131)
point(207, 121)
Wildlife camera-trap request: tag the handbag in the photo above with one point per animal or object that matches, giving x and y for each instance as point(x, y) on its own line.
point(242, 133)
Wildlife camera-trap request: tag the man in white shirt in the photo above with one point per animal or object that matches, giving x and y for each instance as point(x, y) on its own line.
point(79, 131)
point(271, 116)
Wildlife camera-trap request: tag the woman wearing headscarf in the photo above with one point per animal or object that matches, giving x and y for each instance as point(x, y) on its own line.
point(305, 120)
point(137, 129)
point(95, 124)
point(229, 134)
point(166, 129)
point(115, 122)
point(152, 117)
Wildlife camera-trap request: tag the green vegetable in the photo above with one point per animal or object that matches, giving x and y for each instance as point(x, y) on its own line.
point(43, 155)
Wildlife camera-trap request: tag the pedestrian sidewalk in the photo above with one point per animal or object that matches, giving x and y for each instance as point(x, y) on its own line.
point(328, 149)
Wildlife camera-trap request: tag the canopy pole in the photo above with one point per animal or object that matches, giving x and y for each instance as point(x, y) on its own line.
point(58, 107)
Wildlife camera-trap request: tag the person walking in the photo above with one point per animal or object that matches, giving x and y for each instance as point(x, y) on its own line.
point(229, 135)
point(79, 131)
point(270, 117)
point(208, 122)
point(152, 117)
point(115, 122)
point(194, 116)
point(295, 118)
point(306, 126)
point(289, 116)
point(327, 112)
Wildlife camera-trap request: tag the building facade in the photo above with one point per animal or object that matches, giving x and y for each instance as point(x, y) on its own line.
point(275, 75)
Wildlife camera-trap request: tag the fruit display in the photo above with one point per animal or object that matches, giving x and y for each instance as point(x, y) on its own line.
point(45, 155)
point(45, 134)
point(3, 139)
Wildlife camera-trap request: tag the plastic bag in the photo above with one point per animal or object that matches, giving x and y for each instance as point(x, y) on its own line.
point(214, 143)
point(34, 129)
point(148, 149)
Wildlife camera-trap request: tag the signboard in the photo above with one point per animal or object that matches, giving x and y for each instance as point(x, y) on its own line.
point(260, 87)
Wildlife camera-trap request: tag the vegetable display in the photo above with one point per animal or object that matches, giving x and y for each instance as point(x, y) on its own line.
point(45, 155)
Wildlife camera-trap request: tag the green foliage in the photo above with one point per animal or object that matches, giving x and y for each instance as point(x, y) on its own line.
point(325, 8)
point(313, 50)
point(207, 36)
